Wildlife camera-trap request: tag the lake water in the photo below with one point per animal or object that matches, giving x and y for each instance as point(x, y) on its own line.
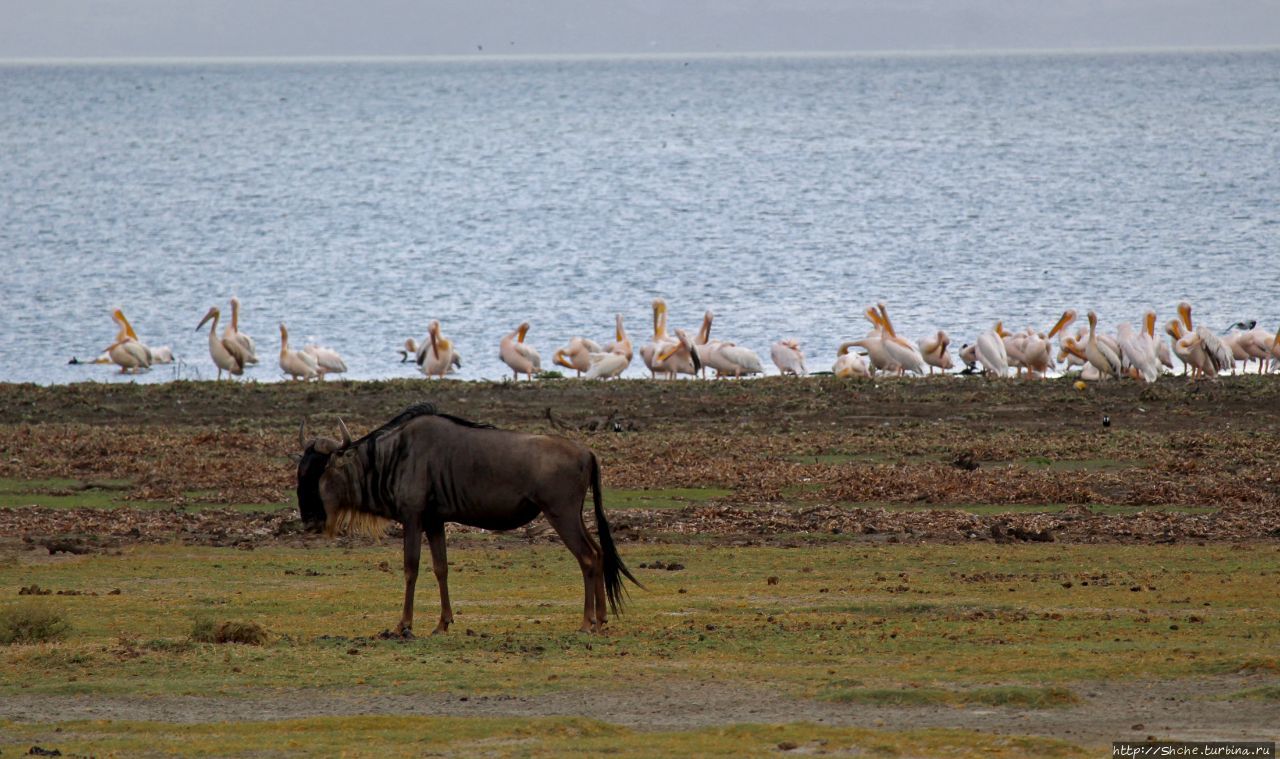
point(356, 201)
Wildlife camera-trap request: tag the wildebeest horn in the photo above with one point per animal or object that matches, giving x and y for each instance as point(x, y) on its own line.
point(302, 435)
point(346, 433)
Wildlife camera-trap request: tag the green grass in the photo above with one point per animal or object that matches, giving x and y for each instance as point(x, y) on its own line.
point(535, 737)
point(1264, 693)
point(949, 617)
point(666, 498)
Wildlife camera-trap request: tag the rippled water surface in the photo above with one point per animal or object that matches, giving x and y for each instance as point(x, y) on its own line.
point(358, 201)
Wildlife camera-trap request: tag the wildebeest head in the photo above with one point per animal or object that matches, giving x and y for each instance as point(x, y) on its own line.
point(318, 477)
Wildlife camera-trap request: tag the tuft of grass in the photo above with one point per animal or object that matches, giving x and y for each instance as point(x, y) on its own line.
point(1007, 695)
point(204, 630)
point(32, 622)
point(1265, 693)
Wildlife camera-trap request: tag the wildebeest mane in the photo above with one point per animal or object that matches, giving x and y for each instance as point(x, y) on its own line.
point(423, 408)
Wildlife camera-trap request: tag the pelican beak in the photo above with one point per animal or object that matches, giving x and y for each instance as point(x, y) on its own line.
point(874, 317)
point(1070, 346)
point(888, 325)
point(1150, 319)
point(1067, 318)
point(1184, 310)
point(618, 334)
point(211, 313)
point(523, 330)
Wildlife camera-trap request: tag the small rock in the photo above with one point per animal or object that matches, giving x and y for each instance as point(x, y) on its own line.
point(787, 746)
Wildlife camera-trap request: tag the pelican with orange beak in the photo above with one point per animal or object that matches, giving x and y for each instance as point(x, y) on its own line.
point(661, 343)
point(436, 356)
point(522, 358)
point(851, 365)
point(680, 357)
point(576, 355)
point(934, 351)
point(903, 353)
point(127, 352)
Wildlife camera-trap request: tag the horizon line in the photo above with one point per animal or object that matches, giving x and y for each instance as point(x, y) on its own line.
point(703, 55)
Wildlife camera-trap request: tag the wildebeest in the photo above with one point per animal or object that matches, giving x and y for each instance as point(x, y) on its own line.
point(424, 468)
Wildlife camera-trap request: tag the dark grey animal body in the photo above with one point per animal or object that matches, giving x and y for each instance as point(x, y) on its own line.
point(424, 469)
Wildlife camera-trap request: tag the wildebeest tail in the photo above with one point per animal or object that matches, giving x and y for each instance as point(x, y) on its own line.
point(614, 569)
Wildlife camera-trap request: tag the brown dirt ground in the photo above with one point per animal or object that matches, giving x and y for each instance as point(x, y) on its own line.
point(801, 458)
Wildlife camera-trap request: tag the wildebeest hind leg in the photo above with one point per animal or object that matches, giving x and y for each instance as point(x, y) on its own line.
point(574, 534)
point(412, 554)
point(440, 565)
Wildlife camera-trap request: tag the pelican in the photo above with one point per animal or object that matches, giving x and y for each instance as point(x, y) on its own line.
point(577, 354)
point(327, 359)
point(680, 357)
point(522, 359)
point(903, 353)
point(788, 357)
point(436, 357)
point(849, 364)
point(223, 357)
point(989, 350)
point(661, 343)
point(296, 364)
point(607, 365)
point(934, 351)
point(1102, 356)
point(128, 352)
point(725, 357)
point(1138, 351)
point(1220, 355)
point(621, 343)
point(1014, 347)
point(874, 344)
point(1188, 348)
point(237, 341)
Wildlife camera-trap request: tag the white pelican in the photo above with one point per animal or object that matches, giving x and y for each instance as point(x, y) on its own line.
point(874, 344)
point(678, 357)
point(788, 357)
point(436, 357)
point(296, 364)
point(327, 359)
point(522, 358)
point(989, 350)
point(849, 364)
point(237, 341)
point(607, 365)
point(128, 352)
point(219, 351)
point(1014, 345)
point(725, 357)
point(577, 354)
point(1219, 354)
point(621, 343)
point(934, 351)
point(1189, 350)
point(661, 343)
point(1139, 352)
point(1102, 356)
point(906, 355)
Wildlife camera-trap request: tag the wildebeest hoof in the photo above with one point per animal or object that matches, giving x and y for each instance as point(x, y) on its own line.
point(407, 634)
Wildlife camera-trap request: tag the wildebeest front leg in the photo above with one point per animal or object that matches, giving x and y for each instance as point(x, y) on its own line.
point(412, 555)
point(440, 564)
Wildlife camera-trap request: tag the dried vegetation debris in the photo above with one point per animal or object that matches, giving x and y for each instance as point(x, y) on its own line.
point(817, 456)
